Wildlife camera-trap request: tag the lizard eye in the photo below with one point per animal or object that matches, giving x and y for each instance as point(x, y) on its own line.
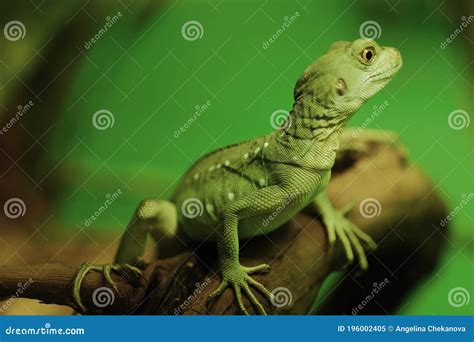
point(368, 54)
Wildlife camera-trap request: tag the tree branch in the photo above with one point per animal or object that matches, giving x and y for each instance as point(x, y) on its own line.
point(406, 228)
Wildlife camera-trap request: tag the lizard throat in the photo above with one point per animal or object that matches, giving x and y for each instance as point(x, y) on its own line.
point(312, 123)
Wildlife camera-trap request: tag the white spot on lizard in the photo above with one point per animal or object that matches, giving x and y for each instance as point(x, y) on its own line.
point(231, 195)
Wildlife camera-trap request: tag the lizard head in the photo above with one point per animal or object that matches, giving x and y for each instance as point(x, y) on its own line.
point(348, 75)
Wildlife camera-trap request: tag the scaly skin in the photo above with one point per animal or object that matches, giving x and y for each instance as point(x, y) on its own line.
point(234, 192)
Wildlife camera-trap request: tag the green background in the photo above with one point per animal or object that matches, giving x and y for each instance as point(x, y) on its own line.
point(151, 79)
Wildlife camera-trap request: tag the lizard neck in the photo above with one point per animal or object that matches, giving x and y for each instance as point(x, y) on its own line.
point(309, 138)
point(310, 121)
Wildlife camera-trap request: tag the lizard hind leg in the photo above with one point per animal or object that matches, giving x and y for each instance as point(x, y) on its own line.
point(161, 219)
point(157, 217)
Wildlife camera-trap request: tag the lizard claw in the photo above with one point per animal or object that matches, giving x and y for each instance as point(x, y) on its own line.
point(238, 278)
point(106, 271)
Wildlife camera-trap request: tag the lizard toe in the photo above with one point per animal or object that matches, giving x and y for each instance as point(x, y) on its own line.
point(256, 269)
point(237, 277)
point(222, 286)
point(106, 272)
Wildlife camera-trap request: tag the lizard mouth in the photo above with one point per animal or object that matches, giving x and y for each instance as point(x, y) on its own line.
point(386, 73)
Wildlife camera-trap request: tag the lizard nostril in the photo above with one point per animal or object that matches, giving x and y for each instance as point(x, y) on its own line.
point(396, 57)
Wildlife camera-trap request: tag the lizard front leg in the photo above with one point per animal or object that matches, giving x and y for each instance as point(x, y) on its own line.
point(338, 226)
point(233, 273)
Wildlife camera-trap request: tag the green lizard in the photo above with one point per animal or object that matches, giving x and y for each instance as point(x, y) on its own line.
point(232, 193)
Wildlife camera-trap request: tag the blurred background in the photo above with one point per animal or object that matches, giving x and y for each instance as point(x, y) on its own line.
point(113, 100)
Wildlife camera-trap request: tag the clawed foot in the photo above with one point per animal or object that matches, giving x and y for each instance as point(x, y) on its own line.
point(106, 270)
point(237, 277)
point(351, 236)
